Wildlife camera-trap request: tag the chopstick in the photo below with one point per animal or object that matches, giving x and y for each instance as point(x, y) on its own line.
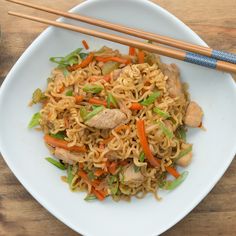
point(169, 52)
point(219, 55)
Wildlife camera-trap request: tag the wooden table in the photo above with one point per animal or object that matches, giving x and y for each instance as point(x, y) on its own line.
point(20, 214)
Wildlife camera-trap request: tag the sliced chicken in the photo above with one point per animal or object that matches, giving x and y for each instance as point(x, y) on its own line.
point(186, 159)
point(130, 176)
point(193, 116)
point(174, 85)
point(107, 119)
point(65, 155)
point(115, 74)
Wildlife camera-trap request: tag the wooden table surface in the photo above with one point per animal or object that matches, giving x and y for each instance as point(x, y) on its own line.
point(20, 214)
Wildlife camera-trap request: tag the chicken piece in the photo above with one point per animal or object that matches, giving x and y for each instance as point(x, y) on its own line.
point(186, 159)
point(115, 74)
point(193, 116)
point(65, 155)
point(130, 176)
point(174, 85)
point(107, 119)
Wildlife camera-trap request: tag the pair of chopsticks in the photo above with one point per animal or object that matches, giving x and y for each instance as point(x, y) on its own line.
point(195, 54)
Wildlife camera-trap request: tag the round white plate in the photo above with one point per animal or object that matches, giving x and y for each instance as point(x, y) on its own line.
point(24, 150)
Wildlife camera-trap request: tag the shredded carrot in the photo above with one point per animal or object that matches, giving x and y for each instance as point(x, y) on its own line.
point(144, 143)
point(81, 165)
point(62, 144)
point(107, 78)
point(107, 140)
point(135, 106)
point(131, 51)
point(172, 171)
point(100, 194)
point(62, 89)
point(99, 172)
point(116, 59)
point(112, 167)
point(83, 64)
point(79, 99)
point(86, 46)
point(121, 127)
point(140, 56)
point(97, 101)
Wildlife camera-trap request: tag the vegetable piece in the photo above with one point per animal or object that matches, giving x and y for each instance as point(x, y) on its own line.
point(37, 96)
point(183, 153)
point(107, 78)
point(136, 168)
point(65, 72)
point(170, 185)
point(92, 88)
point(79, 99)
point(59, 135)
point(97, 101)
point(140, 56)
point(83, 64)
point(83, 112)
point(150, 99)
point(168, 133)
point(91, 175)
point(115, 59)
point(83, 55)
point(161, 113)
point(135, 106)
point(99, 172)
point(62, 144)
point(91, 114)
point(86, 46)
point(121, 127)
point(172, 171)
point(108, 67)
point(131, 51)
point(69, 93)
point(181, 133)
point(142, 157)
point(34, 120)
point(90, 197)
point(69, 174)
point(56, 163)
point(112, 167)
point(144, 143)
point(111, 101)
point(99, 194)
point(68, 60)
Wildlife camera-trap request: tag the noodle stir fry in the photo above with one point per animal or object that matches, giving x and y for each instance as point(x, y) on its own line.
point(116, 123)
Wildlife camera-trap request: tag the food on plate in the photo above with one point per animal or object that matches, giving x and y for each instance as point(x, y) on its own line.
point(116, 123)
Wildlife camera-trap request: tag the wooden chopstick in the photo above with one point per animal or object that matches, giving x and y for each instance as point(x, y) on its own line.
point(219, 55)
point(169, 52)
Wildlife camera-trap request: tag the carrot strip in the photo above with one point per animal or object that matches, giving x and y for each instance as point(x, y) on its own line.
point(121, 127)
point(107, 140)
point(81, 165)
point(66, 121)
point(99, 194)
point(107, 78)
point(135, 106)
point(62, 89)
point(83, 64)
point(131, 51)
point(116, 59)
point(62, 144)
point(86, 46)
point(99, 172)
point(79, 99)
point(112, 167)
point(172, 171)
point(97, 101)
point(144, 143)
point(140, 56)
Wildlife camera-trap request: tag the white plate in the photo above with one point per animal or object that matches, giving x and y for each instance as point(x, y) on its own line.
point(24, 150)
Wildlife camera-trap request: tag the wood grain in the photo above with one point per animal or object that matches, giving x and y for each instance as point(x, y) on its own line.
point(21, 215)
